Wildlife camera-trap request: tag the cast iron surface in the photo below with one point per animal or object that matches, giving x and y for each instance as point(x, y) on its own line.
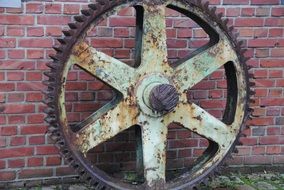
point(142, 91)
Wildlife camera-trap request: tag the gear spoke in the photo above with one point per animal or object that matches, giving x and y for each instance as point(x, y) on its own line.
point(106, 126)
point(154, 47)
point(198, 120)
point(154, 138)
point(106, 68)
point(192, 71)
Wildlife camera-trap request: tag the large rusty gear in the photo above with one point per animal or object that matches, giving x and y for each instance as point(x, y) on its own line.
point(223, 49)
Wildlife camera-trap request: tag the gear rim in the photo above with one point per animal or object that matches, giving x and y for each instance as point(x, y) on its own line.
point(56, 68)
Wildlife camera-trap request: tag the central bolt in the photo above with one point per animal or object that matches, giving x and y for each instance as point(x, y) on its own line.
point(163, 98)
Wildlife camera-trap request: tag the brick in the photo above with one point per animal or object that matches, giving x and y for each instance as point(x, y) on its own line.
point(184, 23)
point(25, 130)
point(34, 97)
point(275, 32)
point(16, 19)
point(245, 22)
point(233, 12)
point(107, 43)
point(176, 43)
point(273, 150)
point(8, 130)
point(53, 31)
point(35, 54)
point(17, 141)
point(15, 76)
point(277, 52)
point(271, 63)
point(16, 54)
point(128, 11)
point(7, 42)
point(247, 11)
point(53, 20)
point(15, 31)
point(61, 171)
point(184, 33)
point(16, 152)
point(270, 140)
point(258, 150)
point(35, 43)
point(122, 22)
point(278, 22)
point(261, 121)
point(16, 119)
point(36, 140)
point(272, 101)
point(273, 131)
point(34, 8)
point(18, 163)
point(262, 12)
point(16, 64)
point(53, 161)
point(33, 173)
point(7, 175)
point(277, 11)
point(3, 142)
point(16, 97)
point(264, 2)
point(35, 161)
point(43, 150)
point(258, 159)
point(236, 2)
point(249, 140)
point(35, 31)
point(35, 118)
point(280, 121)
point(71, 9)
point(52, 8)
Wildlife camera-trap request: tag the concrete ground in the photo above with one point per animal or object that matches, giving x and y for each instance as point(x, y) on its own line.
point(257, 181)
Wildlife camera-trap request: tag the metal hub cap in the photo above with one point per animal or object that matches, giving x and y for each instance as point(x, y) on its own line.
point(163, 98)
point(153, 94)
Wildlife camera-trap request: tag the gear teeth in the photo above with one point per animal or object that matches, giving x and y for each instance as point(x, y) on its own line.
point(54, 57)
point(48, 83)
point(50, 120)
point(250, 75)
point(51, 65)
point(68, 32)
point(231, 28)
point(57, 48)
point(101, 2)
point(240, 44)
point(49, 74)
point(72, 25)
point(93, 6)
point(220, 15)
point(62, 41)
point(252, 101)
point(252, 93)
point(251, 84)
point(250, 110)
point(79, 18)
point(213, 11)
point(49, 110)
point(249, 67)
point(239, 143)
point(225, 22)
point(87, 12)
point(48, 102)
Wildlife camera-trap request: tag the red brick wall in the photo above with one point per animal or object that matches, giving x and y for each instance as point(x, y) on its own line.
point(28, 34)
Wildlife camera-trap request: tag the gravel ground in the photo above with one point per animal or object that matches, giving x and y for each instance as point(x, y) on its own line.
point(257, 181)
